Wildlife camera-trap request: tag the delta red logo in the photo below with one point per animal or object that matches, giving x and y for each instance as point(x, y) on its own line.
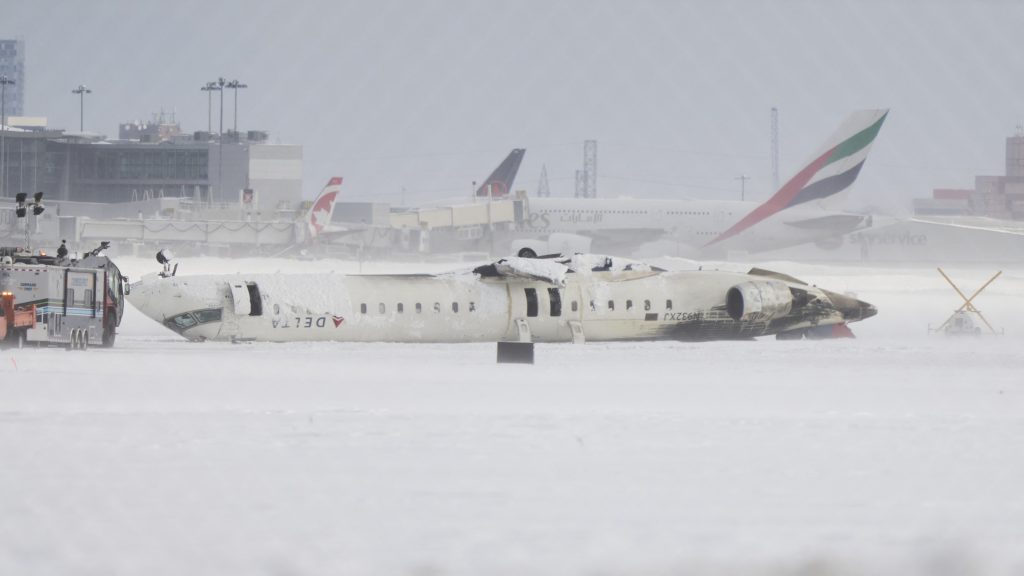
point(337, 320)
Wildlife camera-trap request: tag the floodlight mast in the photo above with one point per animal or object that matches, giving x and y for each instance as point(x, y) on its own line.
point(235, 85)
point(82, 90)
point(21, 211)
point(209, 88)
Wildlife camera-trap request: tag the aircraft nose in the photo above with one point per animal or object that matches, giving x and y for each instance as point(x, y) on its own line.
point(851, 308)
point(864, 310)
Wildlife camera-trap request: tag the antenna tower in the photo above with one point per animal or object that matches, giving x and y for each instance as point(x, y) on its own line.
point(590, 168)
point(542, 187)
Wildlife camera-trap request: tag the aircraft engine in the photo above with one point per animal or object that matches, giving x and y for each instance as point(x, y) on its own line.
point(758, 301)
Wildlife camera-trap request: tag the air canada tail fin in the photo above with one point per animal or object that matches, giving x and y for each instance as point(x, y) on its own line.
point(829, 174)
point(499, 183)
point(323, 208)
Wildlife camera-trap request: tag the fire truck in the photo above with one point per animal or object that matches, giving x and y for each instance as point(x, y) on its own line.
point(57, 300)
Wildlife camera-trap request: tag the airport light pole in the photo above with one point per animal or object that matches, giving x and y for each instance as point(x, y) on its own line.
point(4, 82)
point(82, 90)
point(220, 141)
point(235, 85)
point(209, 88)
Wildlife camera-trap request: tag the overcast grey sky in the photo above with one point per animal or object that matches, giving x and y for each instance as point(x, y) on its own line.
point(431, 95)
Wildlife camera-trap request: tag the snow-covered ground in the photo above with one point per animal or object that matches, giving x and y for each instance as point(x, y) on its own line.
point(897, 452)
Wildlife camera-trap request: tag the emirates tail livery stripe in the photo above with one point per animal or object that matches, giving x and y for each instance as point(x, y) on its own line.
point(831, 172)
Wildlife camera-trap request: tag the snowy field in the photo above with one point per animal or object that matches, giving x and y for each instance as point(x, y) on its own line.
point(895, 453)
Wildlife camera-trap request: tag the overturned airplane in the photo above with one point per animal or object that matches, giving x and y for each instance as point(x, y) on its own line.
point(574, 299)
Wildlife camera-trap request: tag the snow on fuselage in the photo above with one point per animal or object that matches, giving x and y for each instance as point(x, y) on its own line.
point(601, 304)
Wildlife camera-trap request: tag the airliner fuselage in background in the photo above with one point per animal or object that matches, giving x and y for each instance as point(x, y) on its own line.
point(805, 209)
point(513, 300)
point(625, 223)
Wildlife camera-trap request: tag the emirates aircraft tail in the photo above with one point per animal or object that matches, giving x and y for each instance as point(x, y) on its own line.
point(827, 178)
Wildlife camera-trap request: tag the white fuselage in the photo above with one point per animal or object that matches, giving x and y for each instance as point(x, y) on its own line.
point(625, 222)
point(459, 307)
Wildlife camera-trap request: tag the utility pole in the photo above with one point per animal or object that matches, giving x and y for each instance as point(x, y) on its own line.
point(743, 186)
point(4, 82)
point(82, 90)
point(235, 85)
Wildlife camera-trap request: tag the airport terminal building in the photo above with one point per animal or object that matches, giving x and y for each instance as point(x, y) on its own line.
point(150, 161)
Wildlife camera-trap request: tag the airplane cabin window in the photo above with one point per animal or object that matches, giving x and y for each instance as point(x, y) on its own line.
point(400, 307)
point(593, 306)
point(362, 308)
point(381, 308)
point(419, 308)
point(611, 305)
point(555, 298)
point(629, 305)
point(531, 302)
point(455, 307)
point(575, 306)
point(668, 304)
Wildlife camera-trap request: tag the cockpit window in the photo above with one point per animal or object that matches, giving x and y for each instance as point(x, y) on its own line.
point(209, 315)
point(186, 320)
point(183, 321)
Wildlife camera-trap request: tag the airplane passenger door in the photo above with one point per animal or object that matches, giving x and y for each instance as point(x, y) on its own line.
point(240, 298)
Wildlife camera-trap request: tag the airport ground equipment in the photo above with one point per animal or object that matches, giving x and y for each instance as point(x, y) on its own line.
point(51, 300)
point(963, 320)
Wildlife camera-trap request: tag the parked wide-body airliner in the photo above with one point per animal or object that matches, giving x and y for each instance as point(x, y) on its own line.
point(574, 299)
point(806, 209)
